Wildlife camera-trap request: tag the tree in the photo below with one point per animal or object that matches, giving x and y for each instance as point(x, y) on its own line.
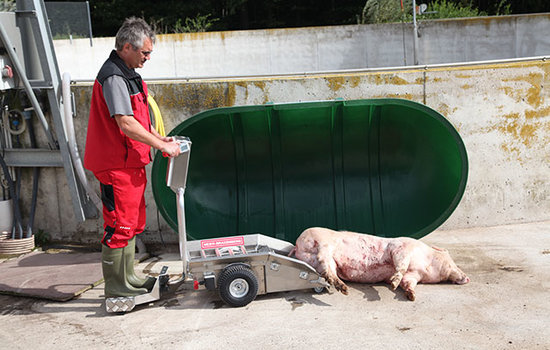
point(108, 15)
point(516, 6)
point(382, 11)
point(448, 9)
point(7, 5)
point(194, 25)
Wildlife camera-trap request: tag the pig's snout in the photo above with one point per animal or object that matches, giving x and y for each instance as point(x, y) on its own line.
point(462, 279)
point(458, 277)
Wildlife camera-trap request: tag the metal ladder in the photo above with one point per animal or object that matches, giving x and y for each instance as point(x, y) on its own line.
point(32, 21)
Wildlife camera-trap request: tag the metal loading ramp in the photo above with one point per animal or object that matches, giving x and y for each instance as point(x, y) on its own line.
point(388, 167)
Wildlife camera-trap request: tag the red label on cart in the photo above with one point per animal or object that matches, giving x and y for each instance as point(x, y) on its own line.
point(222, 242)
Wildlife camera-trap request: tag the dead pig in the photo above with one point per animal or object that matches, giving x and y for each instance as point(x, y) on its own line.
point(363, 258)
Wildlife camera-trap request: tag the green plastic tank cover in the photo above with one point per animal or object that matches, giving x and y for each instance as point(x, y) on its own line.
point(387, 167)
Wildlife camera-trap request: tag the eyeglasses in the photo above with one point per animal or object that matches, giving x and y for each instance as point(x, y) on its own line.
point(146, 53)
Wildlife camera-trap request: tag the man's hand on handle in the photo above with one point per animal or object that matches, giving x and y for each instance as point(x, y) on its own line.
point(170, 148)
point(134, 130)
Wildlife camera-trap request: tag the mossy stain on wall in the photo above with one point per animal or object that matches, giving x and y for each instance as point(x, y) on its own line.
point(189, 97)
point(522, 130)
point(384, 79)
point(533, 95)
point(336, 83)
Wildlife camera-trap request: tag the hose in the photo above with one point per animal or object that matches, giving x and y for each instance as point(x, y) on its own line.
point(73, 147)
point(159, 127)
point(35, 177)
point(16, 212)
point(159, 123)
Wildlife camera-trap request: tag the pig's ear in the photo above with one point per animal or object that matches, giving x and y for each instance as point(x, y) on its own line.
point(440, 249)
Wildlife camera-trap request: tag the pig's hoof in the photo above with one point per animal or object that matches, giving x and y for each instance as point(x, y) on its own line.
point(396, 280)
point(411, 295)
point(345, 290)
point(341, 287)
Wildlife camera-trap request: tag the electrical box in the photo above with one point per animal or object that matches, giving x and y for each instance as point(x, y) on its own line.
point(8, 75)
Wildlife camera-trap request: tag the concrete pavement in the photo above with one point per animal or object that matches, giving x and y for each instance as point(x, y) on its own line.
point(505, 306)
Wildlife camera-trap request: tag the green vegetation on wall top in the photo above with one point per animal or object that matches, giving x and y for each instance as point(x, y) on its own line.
point(173, 16)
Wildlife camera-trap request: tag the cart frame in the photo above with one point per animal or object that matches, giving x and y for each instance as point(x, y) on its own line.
point(239, 267)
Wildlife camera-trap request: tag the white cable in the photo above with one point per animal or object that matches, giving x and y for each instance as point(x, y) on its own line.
point(73, 147)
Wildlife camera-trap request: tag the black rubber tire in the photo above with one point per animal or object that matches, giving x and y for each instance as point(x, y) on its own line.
point(237, 285)
point(319, 290)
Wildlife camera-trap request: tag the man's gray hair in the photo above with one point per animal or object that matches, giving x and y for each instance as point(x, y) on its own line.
point(134, 31)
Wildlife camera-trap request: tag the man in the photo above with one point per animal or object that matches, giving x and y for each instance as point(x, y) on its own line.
point(118, 146)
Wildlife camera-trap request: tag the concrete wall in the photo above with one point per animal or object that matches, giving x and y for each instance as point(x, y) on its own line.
point(502, 112)
point(298, 50)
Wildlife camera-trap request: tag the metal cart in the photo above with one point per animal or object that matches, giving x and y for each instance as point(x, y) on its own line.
point(239, 267)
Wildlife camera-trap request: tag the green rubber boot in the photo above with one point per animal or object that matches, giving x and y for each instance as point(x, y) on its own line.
point(114, 273)
point(131, 277)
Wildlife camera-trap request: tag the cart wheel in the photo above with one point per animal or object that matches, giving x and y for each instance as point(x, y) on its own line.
point(319, 289)
point(237, 285)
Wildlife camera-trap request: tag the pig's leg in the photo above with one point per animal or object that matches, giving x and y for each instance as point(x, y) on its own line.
point(408, 283)
point(321, 259)
point(401, 257)
point(328, 270)
point(292, 252)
